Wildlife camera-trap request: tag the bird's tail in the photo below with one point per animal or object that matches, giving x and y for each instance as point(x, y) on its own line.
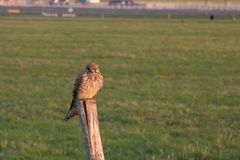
point(72, 110)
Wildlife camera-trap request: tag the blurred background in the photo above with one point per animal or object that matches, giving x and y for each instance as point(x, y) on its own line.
point(148, 3)
point(167, 8)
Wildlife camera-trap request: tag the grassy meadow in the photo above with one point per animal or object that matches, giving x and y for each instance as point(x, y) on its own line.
point(172, 88)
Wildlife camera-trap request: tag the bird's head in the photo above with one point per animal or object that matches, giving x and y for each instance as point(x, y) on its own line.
point(93, 68)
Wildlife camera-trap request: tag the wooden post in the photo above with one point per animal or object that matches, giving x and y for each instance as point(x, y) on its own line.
point(89, 123)
point(84, 126)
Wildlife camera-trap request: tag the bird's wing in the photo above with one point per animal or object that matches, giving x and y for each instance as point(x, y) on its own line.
point(78, 85)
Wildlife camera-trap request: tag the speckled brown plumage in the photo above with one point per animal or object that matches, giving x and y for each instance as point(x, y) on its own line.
point(86, 86)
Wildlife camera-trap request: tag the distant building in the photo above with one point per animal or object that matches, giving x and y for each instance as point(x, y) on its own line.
point(121, 2)
point(94, 1)
point(90, 1)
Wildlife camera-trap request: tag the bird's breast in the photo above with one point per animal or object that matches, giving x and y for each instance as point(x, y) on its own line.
point(91, 87)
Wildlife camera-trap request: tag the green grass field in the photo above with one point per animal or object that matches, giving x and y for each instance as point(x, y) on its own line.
point(172, 89)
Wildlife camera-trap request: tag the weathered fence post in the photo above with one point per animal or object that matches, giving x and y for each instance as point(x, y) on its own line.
point(89, 123)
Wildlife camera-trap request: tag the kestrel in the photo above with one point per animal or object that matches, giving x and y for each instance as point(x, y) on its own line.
point(86, 86)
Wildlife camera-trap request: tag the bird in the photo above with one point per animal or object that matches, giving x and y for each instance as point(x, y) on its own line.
point(86, 86)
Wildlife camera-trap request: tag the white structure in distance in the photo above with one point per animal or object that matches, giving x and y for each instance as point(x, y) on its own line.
point(93, 1)
point(90, 1)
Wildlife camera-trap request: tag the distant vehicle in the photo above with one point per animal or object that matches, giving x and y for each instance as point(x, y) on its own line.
point(121, 2)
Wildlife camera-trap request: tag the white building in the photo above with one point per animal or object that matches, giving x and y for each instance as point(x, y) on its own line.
point(93, 1)
point(90, 1)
